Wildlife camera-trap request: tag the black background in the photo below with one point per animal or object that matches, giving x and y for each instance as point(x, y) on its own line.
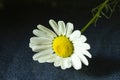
point(19, 17)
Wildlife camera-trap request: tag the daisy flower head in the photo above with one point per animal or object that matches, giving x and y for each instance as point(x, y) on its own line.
point(62, 46)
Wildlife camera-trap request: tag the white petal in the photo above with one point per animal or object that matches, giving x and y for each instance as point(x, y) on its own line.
point(82, 45)
point(67, 62)
point(83, 58)
point(85, 46)
point(86, 53)
point(38, 48)
point(62, 64)
point(46, 30)
point(40, 33)
point(57, 62)
point(80, 40)
point(62, 28)
point(40, 40)
point(82, 51)
point(54, 25)
point(42, 53)
point(69, 29)
point(75, 35)
point(45, 58)
point(76, 62)
point(51, 59)
point(31, 45)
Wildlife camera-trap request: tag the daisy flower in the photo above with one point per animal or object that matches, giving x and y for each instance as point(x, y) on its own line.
point(63, 47)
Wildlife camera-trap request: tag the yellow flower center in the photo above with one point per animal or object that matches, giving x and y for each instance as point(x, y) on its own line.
point(62, 46)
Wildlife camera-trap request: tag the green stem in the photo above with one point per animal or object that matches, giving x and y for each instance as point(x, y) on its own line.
point(96, 15)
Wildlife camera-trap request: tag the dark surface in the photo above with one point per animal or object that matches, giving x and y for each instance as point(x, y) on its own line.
point(17, 23)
